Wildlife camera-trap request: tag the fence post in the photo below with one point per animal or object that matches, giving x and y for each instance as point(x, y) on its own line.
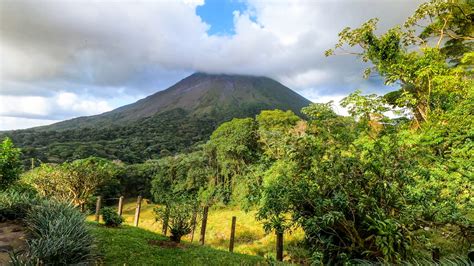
point(194, 224)
point(204, 224)
point(120, 206)
point(232, 234)
point(137, 212)
point(97, 208)
point(279, 246)
point(83, 209)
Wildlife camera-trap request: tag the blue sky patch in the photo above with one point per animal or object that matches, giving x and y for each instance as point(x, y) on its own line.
point(219, 15)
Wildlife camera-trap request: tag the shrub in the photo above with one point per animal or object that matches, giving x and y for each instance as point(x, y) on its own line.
point(111, 217)
point(180, 215)
point(58, 235)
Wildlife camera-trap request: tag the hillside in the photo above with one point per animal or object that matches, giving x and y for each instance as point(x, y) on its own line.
point(166, 122)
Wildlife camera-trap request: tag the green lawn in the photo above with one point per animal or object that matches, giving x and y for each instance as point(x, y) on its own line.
point(135, 246)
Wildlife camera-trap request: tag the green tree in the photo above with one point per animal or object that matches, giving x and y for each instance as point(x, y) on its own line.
point(231, 147)
point(273, 128)
point(10, 163)
point(427, 82)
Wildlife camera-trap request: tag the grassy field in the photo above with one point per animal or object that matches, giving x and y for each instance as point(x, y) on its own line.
point(250, 238)
point(129, 245)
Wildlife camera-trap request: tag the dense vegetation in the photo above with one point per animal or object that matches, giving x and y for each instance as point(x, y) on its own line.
point(134, 142)
point(368, 187)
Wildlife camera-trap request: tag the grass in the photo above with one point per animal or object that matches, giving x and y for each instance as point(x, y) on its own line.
point(250, 238)
point(129, 245)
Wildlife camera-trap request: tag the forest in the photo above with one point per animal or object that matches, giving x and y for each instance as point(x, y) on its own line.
point(363, 188)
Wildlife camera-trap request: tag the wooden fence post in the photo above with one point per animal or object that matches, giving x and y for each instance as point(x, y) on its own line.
point(204, 224)
point(97, 208)
point(137, 212)
point(120, 206)
point(279, 246)
point(194, 224)
point(232, 234)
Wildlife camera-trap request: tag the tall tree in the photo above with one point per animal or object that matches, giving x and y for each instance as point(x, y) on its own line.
point(417, 63)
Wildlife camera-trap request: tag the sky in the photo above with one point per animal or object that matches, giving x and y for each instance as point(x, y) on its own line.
point(61, 59)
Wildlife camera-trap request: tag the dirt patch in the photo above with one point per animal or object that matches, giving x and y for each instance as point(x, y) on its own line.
point(166, 244)
point(12, 237)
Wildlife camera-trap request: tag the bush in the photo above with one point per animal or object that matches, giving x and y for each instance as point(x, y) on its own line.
point(58, 235)
point(180, 216)
point(111, 217)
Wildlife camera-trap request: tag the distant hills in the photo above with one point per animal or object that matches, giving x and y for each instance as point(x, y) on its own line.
point(166, 122)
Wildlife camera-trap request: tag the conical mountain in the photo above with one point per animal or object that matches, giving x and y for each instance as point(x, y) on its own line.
point(218, 97)
point(166, 122)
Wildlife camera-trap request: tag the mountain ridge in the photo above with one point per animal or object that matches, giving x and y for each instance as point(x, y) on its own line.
point(166, 122)
point(195, 94)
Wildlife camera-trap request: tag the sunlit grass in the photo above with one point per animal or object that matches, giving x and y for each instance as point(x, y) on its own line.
point(250, 238)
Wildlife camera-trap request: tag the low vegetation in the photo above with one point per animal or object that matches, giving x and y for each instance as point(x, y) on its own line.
point(56, 232)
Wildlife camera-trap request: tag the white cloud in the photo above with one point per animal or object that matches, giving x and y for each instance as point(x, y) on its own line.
point(77, 55)
point(71, 101)
point(8, 123)
point(32, 106)
point(61, 106)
